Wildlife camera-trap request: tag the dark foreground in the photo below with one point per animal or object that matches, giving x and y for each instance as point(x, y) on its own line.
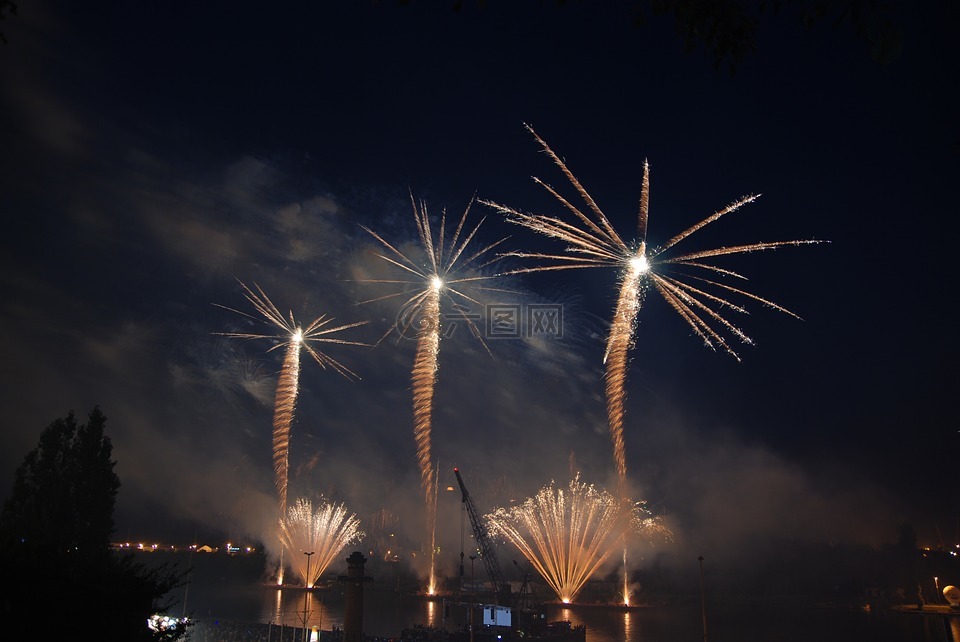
point(217, 630)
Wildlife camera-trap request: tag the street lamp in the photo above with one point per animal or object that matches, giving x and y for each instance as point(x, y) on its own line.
point(473, 583)
point(473, 588)
point(306, 585)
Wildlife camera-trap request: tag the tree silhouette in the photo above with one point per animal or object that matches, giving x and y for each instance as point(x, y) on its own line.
point(5, 6)
point(55, 555)
point(727, 29)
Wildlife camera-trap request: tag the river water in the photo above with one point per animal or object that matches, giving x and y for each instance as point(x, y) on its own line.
point(387, 612)
point(229, 590)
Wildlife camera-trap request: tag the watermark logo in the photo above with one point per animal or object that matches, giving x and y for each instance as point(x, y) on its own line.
point(461, 315)
point(503, 322)
point(545, 320)
point(491, 321)
point(411, 321)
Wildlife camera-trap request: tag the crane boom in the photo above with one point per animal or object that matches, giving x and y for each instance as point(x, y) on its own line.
point(487, 552)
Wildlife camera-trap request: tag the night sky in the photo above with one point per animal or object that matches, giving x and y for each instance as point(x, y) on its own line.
point(154, 156)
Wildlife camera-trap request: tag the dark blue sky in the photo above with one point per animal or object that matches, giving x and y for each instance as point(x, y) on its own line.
point(151, 156)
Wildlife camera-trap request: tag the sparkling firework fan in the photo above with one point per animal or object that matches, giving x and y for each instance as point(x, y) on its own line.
point(447, 269)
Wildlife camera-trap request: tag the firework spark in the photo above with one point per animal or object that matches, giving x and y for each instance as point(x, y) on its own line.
point(593, 242)
point(445, 273)
point(567, 535)
point(381, 526)
point(701, 301)
point(325, 531)
point(293, 338)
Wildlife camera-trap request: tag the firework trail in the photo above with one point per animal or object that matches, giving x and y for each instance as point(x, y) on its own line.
point(447, 270)
point(294, 338)
point(593, 242)
point(699, 300)
point(380, 526)
point(567, 535)
point(287, 388)
point(324, 531)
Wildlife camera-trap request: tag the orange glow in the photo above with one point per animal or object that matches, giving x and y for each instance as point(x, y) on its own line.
point(567, 534)
point(326, 529)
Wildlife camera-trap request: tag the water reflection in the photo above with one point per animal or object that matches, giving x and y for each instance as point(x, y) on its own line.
point(387, 613)
point(294, 607)
point(432, 618)
point(628, 625)
point(278, 607)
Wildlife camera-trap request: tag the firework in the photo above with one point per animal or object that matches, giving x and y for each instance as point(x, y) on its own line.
point(567, 535)
point(381, 527)
point(445, 272)
point(701, 301)
point(323, 531)
point(293, 338)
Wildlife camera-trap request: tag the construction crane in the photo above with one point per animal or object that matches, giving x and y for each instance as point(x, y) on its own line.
point(485, 546)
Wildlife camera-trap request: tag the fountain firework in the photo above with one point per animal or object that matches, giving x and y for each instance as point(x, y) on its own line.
point(567, 535)
point(447, 270)
point(593, 242)
point(325, 531)
point(293, 338)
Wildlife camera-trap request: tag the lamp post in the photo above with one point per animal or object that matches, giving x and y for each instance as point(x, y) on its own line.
point(473, 588)
point(306, 586)
point(473, 585)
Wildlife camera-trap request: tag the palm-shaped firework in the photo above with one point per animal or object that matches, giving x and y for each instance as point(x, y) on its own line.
point(294, 338)
point(593, 242)
point(446, 270)
point(700, 300)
